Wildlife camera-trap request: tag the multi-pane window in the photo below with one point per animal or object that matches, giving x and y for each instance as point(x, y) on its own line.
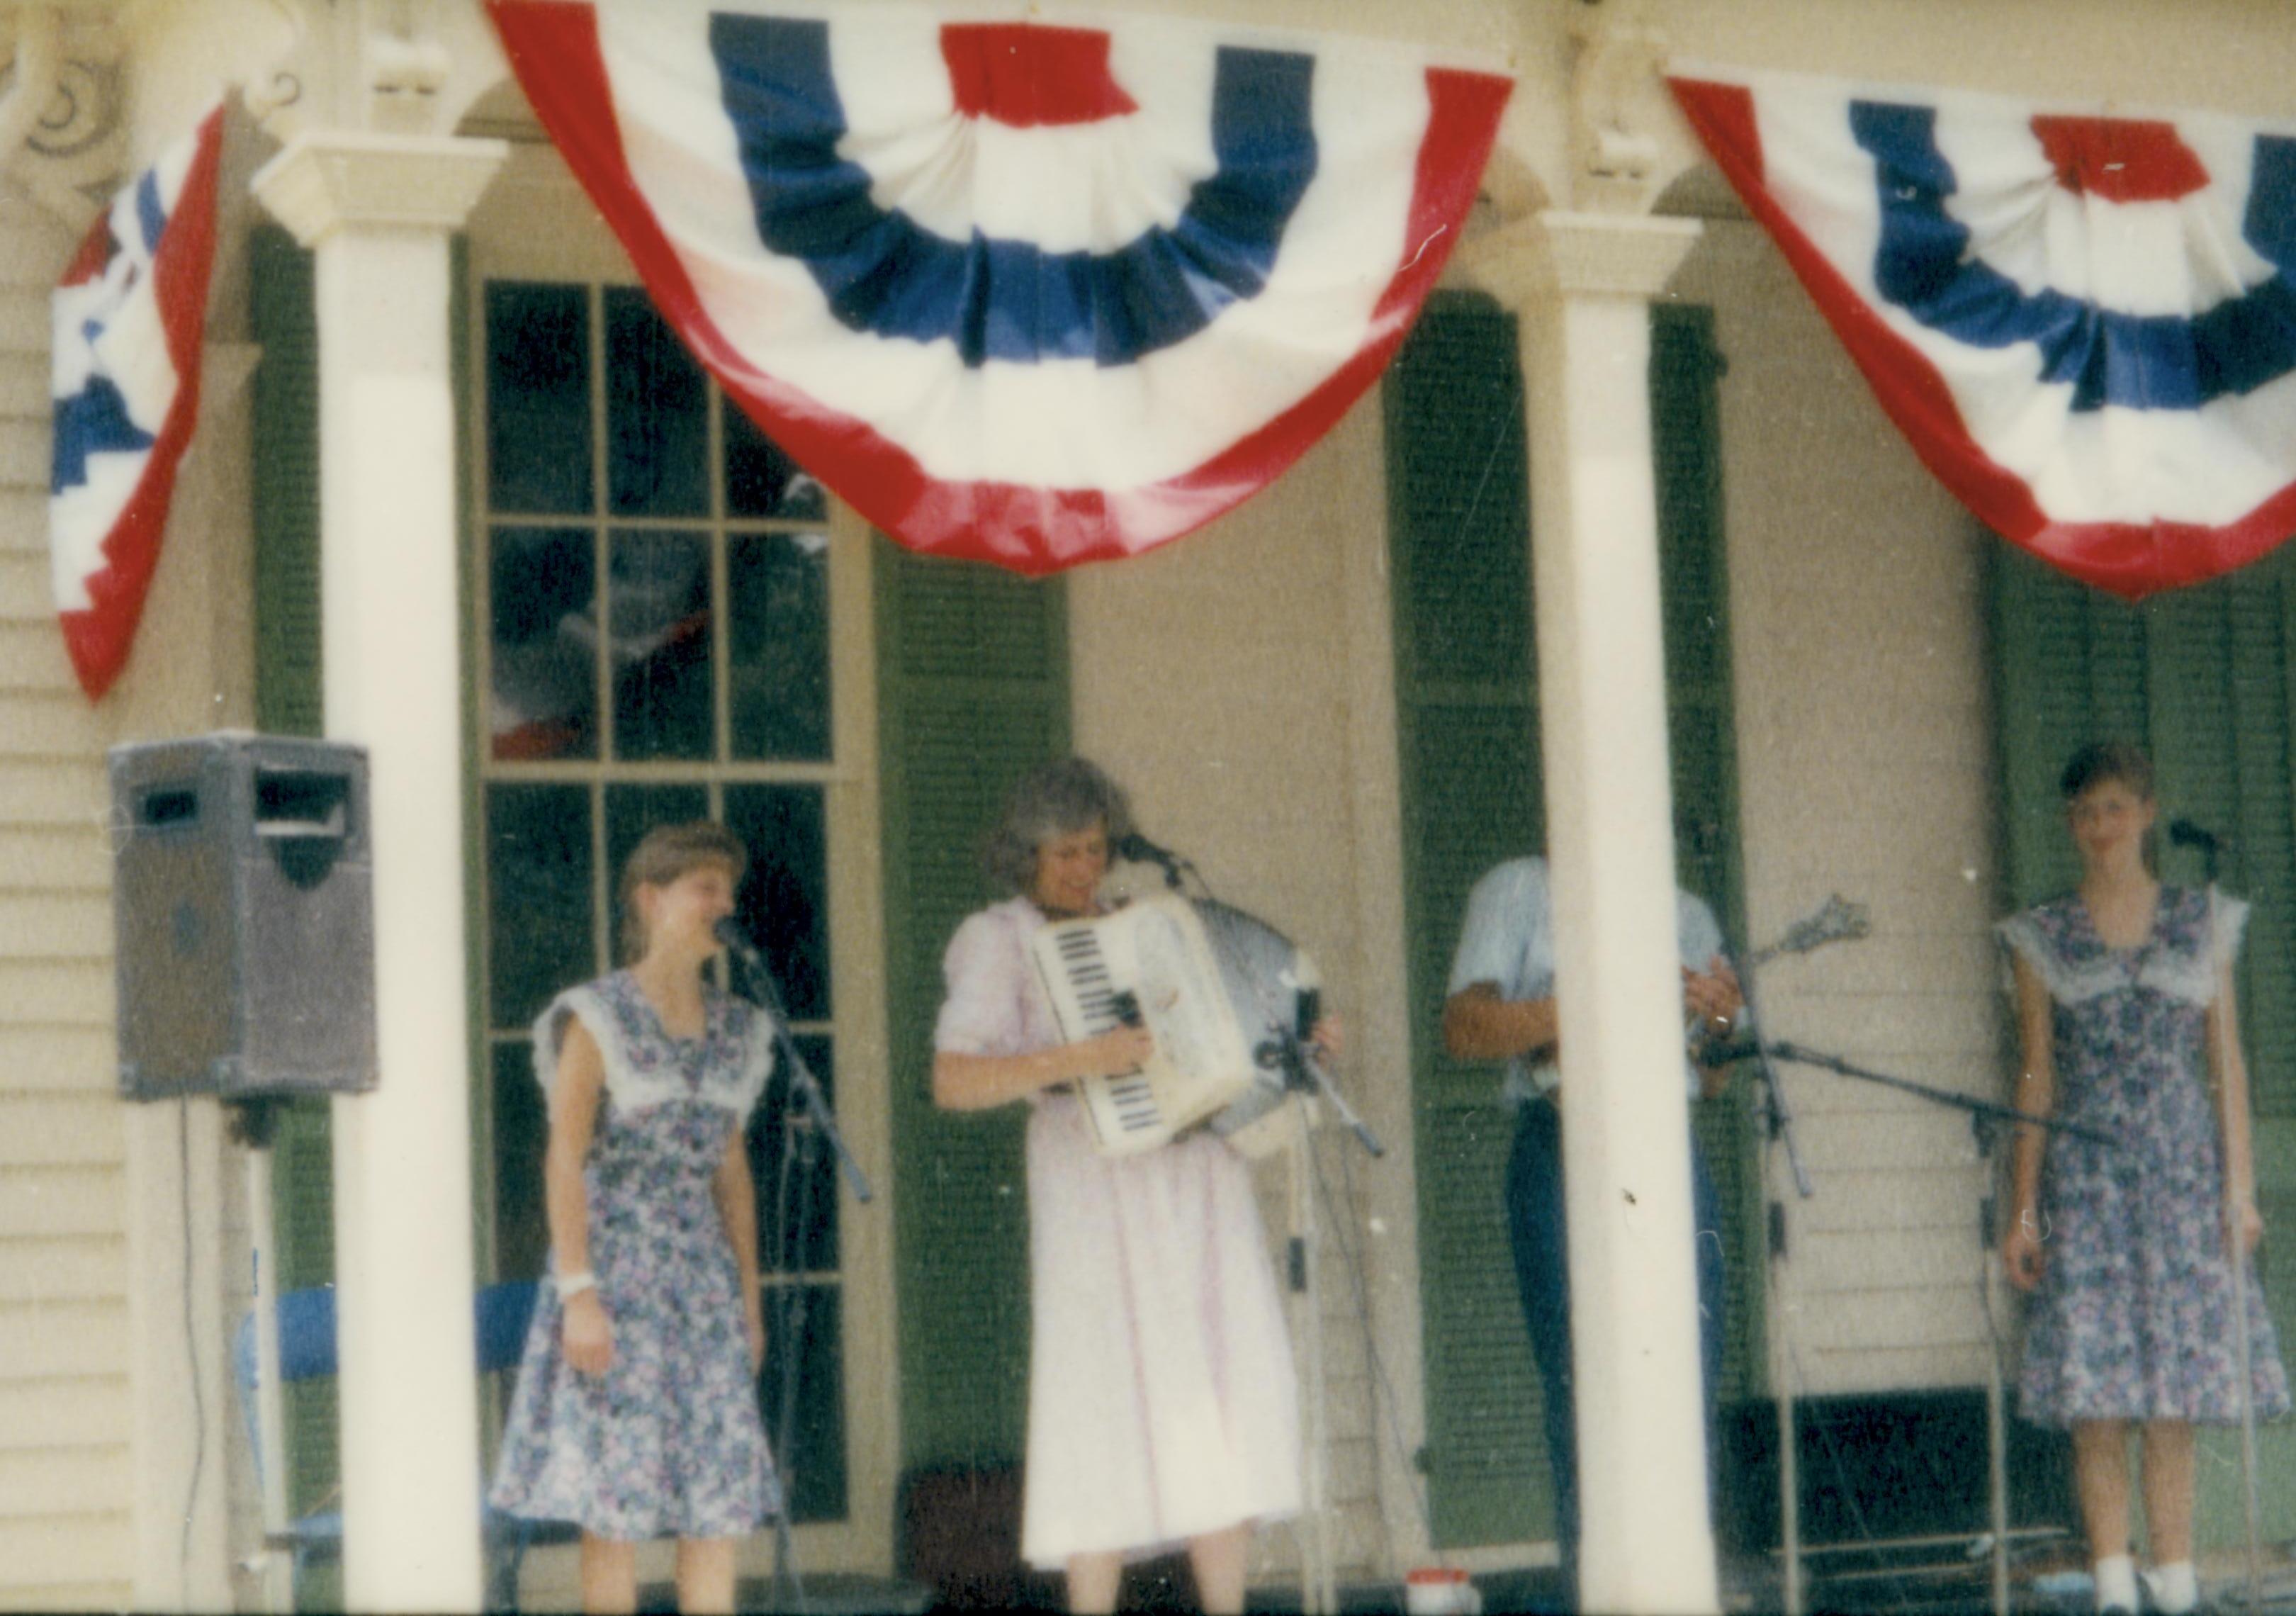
point(653, 602)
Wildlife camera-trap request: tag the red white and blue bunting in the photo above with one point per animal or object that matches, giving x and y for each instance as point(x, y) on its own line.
point(2083, 323)
point(1027, 294)
point(127, 327)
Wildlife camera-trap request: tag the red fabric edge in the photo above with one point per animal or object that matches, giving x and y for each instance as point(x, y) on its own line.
point(554, 49)
point(2131, 560)
point(99, 638)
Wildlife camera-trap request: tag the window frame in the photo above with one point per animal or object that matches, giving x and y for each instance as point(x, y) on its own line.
point(536, 225)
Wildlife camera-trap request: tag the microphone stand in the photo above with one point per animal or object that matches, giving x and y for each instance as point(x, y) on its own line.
point(765, 994)
point(1988, 1120)
point(1778, 1130)
point(2236, 1256)
point(805, 1090)
point(1288, 1052)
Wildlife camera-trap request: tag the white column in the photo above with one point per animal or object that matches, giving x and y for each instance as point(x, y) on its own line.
point(1582, 284)
point(378, 210)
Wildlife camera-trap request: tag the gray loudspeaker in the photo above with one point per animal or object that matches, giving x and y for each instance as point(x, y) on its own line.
point(244, 894)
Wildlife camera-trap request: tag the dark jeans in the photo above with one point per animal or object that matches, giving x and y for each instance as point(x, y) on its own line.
point(1542, 1272)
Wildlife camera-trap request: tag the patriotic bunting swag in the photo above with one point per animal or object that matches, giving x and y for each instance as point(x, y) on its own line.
point(128, 318)
point(2084, 325)
point(1033, 294)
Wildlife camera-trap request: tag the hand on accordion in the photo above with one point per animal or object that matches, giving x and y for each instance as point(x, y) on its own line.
point(1118, 1050)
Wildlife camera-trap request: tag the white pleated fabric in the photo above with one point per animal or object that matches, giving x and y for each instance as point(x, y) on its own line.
point(1162, 1400)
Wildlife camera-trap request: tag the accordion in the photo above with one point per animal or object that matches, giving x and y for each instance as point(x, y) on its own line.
point(1216, 990)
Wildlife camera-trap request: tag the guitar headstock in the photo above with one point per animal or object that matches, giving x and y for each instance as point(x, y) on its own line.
point(1839, 920)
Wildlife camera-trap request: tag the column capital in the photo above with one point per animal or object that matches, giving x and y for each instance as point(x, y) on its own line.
point(325, 180)
point(1557, 254)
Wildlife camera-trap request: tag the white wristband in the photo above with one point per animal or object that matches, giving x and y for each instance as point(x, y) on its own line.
point(571, 1286)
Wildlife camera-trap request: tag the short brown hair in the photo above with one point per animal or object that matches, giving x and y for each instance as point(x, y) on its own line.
point(667, 852)
point(2105, 760)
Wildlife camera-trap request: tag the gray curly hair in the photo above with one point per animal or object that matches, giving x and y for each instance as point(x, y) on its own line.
point(1055, 799)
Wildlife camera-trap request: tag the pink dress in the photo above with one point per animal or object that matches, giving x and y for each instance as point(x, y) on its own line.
point(1162, 1403)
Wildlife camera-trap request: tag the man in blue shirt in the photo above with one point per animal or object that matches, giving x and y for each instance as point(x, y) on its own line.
point(1502, 1008)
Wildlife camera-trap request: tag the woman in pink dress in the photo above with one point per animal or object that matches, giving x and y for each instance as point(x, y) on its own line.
point(1163, 1404)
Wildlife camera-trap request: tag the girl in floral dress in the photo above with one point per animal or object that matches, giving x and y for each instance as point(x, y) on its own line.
point(2127, 1249)
point(636, 1411)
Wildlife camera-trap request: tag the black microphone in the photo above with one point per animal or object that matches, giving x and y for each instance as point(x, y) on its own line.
point(729, 933)
point(2185, 834)
point(1135, 848)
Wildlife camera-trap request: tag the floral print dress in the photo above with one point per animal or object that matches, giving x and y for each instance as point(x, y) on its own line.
point(2134, 1318)
point(669, 1442)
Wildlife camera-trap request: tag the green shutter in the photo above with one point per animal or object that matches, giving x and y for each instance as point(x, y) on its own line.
point(282, 315)
point(1701, 728)
point(974, 690)
point(1468, 730)
point(2201, 677)
point(1467, 724)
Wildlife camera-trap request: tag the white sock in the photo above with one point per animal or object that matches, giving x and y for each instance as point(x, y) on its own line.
point(2174, 1589)
point(2115, 1583)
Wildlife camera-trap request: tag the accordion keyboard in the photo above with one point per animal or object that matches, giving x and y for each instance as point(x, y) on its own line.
point(1148, 965)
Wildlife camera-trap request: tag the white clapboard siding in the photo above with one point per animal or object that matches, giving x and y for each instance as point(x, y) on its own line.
point(24, 520)
point(63, 1481)
point(32, 658)
point(46, 1201)
point(24, 322)
point(59, 993)
point(26, 594)
point(41, 1340)
point(48, 858)
point(23, 384)
point(1888, 1025)
point(1865, 767)
point(64, 1411)
point(1845, 1260)
point(44, 1553)
point(68, 1597)
point(68, 1489)
point(1891, 1199)
point(88, 1268)
point(60, 1130)
point(1884, 1138)
point(55, 926)
point(24, 451)
point(50, 1059)
point(46, 725)
point(56, 794)
point(1867, 1370)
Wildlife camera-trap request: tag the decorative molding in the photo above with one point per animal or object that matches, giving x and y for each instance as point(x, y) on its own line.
point(82, 107)
point(1615, 165)
point(59, 115)
point(1560, 254)
point(330, 179)
point(403, 65)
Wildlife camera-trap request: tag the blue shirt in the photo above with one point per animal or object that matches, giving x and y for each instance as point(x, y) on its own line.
point(1508, 939)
